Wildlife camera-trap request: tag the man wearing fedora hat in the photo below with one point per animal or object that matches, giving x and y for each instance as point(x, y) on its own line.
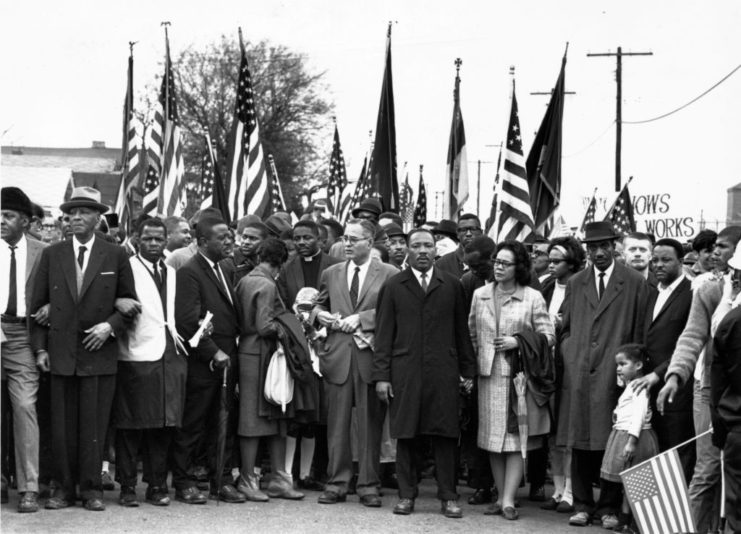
point(81, 279)
point(369, 209)
point(604, 308)
point(19, 258)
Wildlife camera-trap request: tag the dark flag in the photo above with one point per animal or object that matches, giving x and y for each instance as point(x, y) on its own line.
point(621, 213)
point(337, 176)
point(420, 210)
point(350, 202)
point(456, 172)
point(491, 223)
point(544, 160)
point(129, 153)
point(590, 213)
point(213, 193)
point(277, 203)
point(406, 201)
point(382, 172)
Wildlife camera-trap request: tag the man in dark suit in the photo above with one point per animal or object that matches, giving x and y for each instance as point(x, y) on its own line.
point(19, 259)
point(668, 310)
point(468, 228)
point(421, 358)
point(206, 285)
point(604, 307)
point(81, 279)
point(346, 305)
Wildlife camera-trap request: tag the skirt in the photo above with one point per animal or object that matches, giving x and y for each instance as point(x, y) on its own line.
point(613, 462)
point(252, 422)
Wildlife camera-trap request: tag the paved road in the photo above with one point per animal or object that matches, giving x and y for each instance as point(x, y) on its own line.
point(280, 516)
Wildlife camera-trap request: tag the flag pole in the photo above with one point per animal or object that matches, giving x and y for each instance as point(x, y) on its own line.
point(617, 197)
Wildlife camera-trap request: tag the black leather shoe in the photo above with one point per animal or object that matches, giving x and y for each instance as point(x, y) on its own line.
point(57, 503)
point(191, 495)
point(157, 496)
point(331, 497)
point(451, 509)
point(310, 484)
point(537, 494)
point(404, 507)
point(480, 496)
point(228, 493)
point(107, 481)
point(127, 497)
point(550, 504)
point(29, 502)
point(371, 500)
point(94, 505)
point(565, 508)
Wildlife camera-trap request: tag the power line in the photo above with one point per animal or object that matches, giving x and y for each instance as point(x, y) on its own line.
point(688, 103)
point(600, 136)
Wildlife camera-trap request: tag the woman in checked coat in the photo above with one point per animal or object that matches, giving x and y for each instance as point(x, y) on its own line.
point(499, 311)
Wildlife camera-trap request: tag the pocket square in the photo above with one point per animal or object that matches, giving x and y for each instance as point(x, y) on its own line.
point(109, 272)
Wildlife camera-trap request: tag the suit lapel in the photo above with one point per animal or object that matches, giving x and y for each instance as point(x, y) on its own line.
point(672, 297)
point(435, 281)
point(93, 267)
point(211, 275)
point(68, 268)
point(32, 253)
point(591, 290)
point(298, 272)
point(341, 281)
point(613, 289)
point(411, 283)
point(370, 278)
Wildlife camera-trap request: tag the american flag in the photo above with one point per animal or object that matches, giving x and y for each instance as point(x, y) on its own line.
point(171, 199)
point(248, 189)
point(420, 209)
point(129, 154)
point(212, 192)
point(516, 216)
point(277, 202)
point(657, 494)
point(457, 168)
point(589, 215)
point(349, 201)
point(492, 224)
point(337, 176)
point(406, 200)
point(621, 214)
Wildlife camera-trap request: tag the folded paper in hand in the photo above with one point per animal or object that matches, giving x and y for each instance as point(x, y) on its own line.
point(193, 342)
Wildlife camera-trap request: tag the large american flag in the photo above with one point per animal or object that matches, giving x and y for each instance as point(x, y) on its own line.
point(211, 191)
point(337, 176)
point(129, 154)
point(420, 209)
point(492, 223)
point(171, 199)
point(621, 214)
point(590, 213)
point(516, 216)
point(277, 202)
point(657, 494)
point(349, 201)
point(248, 188)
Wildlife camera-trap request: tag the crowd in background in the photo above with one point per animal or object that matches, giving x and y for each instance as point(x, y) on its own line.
point(428, 352)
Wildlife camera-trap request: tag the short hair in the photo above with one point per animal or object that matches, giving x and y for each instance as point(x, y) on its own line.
point(172, 222)
point(482, 244)
point(311, 225)
point(419, 230)
point(205, 227)
point(321, 231)
point(466, 216)
point(673, 243)
point(574, 251)
point(37, 211)
point(369, 229)
point(635, 352)
point(272, 251)
point(333, 225)
point(522, 260)
point(732, 233)
point(264, 230)
point(393, 216)
point(704, 240)
point(640, 236)
point(153, 222)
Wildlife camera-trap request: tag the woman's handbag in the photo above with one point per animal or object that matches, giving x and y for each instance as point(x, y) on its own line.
point(278, 380)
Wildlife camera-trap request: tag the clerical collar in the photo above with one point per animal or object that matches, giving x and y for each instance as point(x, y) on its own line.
point(309, 259)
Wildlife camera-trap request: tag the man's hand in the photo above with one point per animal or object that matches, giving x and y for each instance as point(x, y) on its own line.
point(127, 307)
point(644, 382)
point(220, 360)
point(97, 335)
point(467, 385)
point(325, 318)
point(350, 323)
point(42, 315)
point(667, 393)
point(42, 361)
point(384, 391)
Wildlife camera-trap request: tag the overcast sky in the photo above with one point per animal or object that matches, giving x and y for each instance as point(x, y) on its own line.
point(65, 69)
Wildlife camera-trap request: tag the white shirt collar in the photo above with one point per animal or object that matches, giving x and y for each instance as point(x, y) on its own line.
point(671, 287)
point(76, 244)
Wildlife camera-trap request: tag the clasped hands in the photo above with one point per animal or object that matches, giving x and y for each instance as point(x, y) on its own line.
point(348, 325)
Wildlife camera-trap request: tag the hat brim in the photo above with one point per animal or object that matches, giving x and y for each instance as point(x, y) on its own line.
point(597, 238)
point(72, 204)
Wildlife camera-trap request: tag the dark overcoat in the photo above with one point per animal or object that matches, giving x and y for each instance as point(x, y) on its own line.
point(423, 348)
point(592, 330)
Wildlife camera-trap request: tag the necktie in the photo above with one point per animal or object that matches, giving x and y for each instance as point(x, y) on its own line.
point(601, 285)
point(354, 286)
point(221, 281)
point(12, 308)
point(81, 256)
point(157, 277)
point(423, 276)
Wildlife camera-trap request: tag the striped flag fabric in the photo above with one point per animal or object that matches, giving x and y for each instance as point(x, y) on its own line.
point(515, 213)
point(129, 154)
point(492, 223)
point(589, 214)
point(277, 202)
point(420, 209)
point(337, 176)
point(351, 200)
point(657, 494)
point(248, 188)
point(456, 172)
point(406, 201)
point(621, 214)
point(171, 199)
point(212, 192)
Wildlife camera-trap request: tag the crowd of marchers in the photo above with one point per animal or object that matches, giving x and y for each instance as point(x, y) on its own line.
point(263, 359)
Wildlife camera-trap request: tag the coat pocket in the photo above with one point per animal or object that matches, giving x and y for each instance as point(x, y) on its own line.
point(399, 352)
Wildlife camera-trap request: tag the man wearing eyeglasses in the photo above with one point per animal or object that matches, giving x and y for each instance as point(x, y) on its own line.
point(469, 227)
point(604, 308)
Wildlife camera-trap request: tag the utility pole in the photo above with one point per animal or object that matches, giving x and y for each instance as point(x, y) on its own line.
point(619, 108)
